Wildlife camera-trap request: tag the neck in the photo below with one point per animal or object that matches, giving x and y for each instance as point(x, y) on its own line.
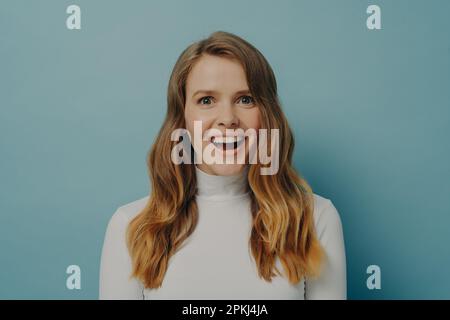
point(221, 187)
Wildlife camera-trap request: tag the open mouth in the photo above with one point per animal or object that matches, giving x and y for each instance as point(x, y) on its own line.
point(228, 142)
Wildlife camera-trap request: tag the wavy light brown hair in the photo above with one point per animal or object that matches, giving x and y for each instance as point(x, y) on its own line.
point(282, 204)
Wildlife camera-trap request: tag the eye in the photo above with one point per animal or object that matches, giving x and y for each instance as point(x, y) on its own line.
point(205, 100)
point(247, 100)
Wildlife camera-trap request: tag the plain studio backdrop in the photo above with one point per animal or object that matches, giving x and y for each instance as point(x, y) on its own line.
point(79, 110)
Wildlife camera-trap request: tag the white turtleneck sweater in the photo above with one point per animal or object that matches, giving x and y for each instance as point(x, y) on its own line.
point(215, 262)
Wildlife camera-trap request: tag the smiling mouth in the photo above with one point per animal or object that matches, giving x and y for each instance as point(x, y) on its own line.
point(228, 143)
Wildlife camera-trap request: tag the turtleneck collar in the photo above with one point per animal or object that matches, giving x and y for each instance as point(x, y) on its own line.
point(222, 187)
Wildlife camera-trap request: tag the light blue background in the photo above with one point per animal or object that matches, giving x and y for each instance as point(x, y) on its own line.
point(370, 110)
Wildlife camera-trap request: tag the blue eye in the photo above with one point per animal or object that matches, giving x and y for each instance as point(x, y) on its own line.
point(205, 100)
point(247, 99)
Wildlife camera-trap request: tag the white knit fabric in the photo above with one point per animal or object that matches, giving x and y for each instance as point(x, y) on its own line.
point(216, 261)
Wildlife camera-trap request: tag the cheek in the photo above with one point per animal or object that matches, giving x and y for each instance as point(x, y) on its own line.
point(188, 122)
point(252, 119)
point(191, 115)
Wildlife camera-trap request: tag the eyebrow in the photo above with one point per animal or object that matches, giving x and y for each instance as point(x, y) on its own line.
point(213, 92)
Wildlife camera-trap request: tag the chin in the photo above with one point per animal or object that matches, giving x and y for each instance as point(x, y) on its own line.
point(225, 169)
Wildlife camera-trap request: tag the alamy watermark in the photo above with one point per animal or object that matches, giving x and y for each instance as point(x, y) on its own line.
point(228, 148)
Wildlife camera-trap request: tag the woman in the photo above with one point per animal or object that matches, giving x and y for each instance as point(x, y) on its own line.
point(223, 229)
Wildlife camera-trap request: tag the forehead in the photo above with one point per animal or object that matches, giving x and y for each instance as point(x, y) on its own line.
point(216, 73)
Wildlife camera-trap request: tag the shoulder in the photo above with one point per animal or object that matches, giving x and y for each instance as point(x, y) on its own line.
point(326, 216)
point(126, 212)
point(131, 209)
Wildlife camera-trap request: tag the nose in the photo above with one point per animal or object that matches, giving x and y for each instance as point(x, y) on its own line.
point(227, 116)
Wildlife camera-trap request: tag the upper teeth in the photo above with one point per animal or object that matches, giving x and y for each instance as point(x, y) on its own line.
point(227, 139)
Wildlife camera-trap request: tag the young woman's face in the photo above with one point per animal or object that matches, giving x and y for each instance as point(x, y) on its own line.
point(218, 95)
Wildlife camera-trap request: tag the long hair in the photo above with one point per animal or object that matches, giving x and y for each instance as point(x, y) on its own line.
point(282, 204)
